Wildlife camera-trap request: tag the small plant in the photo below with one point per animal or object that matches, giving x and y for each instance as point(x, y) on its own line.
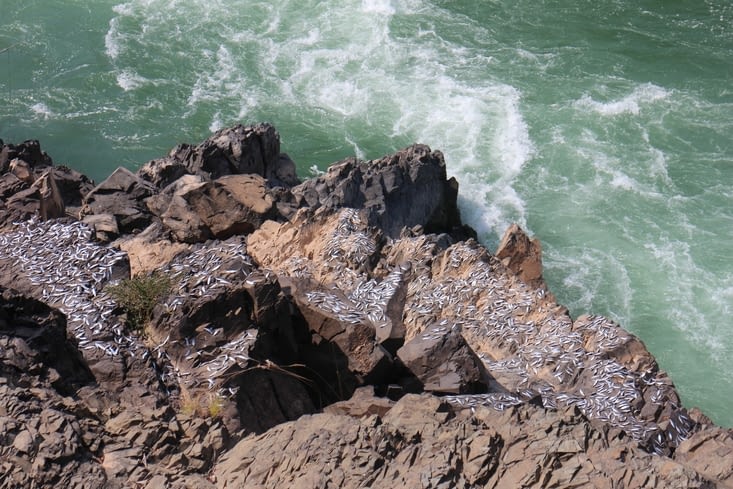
point(201, 404)
point(189, 405)
point(139, 295)
point(216, 405)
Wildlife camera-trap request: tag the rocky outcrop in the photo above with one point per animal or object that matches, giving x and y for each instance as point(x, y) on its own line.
point(236, 150)
point(344, 331)
point(522, 255)
point(46, 437)
point(122, 196)
point(219, 209)
point(404, 190)
point(30, 185)
point(421, 442)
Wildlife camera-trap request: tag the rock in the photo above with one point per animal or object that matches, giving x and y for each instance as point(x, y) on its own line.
point(157, 482)
point(291, 313)
point(10, 185)
point(51, 201)
point(148, 250)
point(122, 194)
point(362, 404)
point(237, 150)
point(522, 255)
point(442, 361)
point(415, 445)
point(282, 172)
point(22, 170)
point(22, 205)
point(160, 202)
point(73, 187)
point(163, 172)
point(235, 204)
point(238, 320)
point(30, 185)
point(710, 453)
point(23, 442)
point(39, 367)
point(105, 226)
point(327, 314)
point(28, 152)
point(403, 190)
point(36, 338)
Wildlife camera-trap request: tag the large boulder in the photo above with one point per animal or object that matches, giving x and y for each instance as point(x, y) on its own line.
point(443, 362)
point(122, 195)
point(403, 190)
point(231, 205)
point(30, 185)
point(522, 255)
point(236, 150)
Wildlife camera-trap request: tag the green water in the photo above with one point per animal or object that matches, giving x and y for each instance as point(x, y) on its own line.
point(602, 127)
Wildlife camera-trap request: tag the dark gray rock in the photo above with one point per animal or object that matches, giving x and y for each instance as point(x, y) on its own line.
point(236, 150)
point(406, 189)
point(122, 194)
point(30, 185)
point(27, 151)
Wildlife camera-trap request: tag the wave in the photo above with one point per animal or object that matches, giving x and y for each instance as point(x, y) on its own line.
point(632, 103)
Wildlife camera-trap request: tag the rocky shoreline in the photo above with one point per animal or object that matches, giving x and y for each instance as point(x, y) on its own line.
point(343, 331)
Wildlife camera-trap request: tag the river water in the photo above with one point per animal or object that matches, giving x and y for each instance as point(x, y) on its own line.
point(604, 128)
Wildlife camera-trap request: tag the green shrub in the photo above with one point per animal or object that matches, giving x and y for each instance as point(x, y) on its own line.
point(139, 295)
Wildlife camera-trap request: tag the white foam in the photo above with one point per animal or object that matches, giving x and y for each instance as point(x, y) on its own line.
point(42, 111)
point(315, 171)
point(129, 80)
point(216, 123)
point(383, 7)
point(125, 9)
point(111, 39)
point(630, 104)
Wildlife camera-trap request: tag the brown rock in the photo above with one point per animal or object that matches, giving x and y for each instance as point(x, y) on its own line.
point(363, 403)
point(235, 204)
point(22, 170)
point(104, 225)
point(149, 250)
point(122, 194)
point(709, 453)
point(51, 201)
point(522, 255)
point(23, 442)
point(443, 362)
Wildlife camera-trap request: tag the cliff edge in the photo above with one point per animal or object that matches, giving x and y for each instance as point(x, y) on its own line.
point(213, 321)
